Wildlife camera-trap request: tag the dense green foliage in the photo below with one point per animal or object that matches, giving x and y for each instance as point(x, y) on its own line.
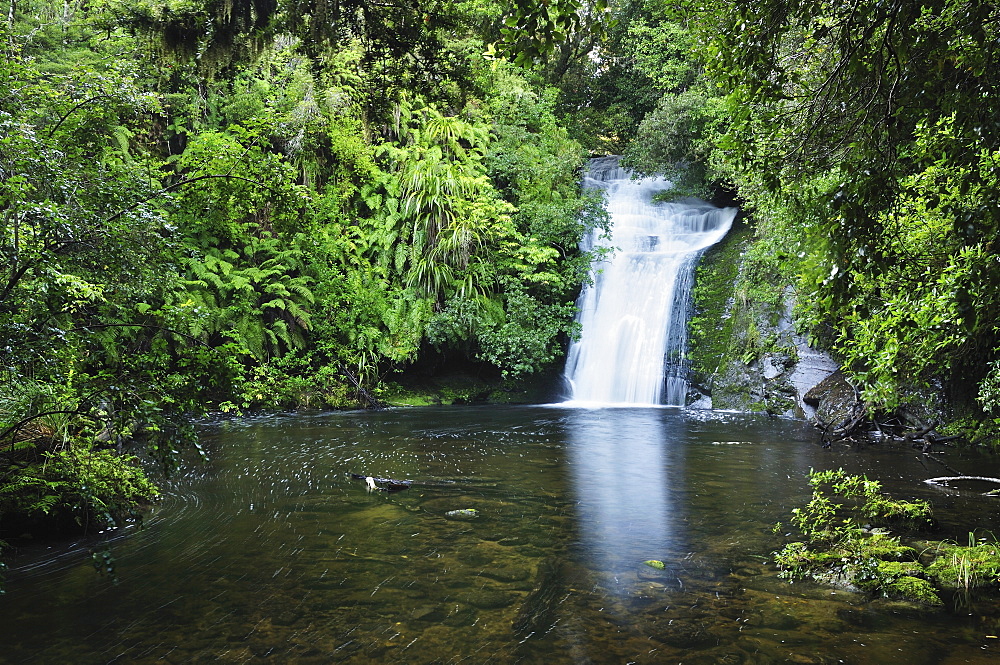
point(223, 204)
point(863, 137)
point(233, 205)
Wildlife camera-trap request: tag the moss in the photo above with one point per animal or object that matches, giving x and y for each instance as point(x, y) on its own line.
point(712, 328)
point(903, 580)
point(975, 429)
point(898, 513)
point(893, 569)
point(739, 301)
point(965, 567)
point(447, 389)
point(395, 395)
point(838, 550)
point(913, 588)
point(883, 546)
point(798, 560)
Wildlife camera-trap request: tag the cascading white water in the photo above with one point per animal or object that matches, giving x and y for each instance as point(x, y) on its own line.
point(634, 316)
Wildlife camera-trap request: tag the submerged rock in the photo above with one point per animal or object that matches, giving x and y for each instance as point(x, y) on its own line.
point(462, 514)
point(486, 598)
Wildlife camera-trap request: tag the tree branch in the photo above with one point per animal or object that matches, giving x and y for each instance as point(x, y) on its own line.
point(182, 183)
point(70, 112)
point(13, 429)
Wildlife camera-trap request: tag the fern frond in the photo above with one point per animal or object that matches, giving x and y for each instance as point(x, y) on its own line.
point(276, 303)
point(301, 290)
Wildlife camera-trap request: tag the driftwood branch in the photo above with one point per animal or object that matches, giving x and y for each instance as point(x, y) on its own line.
point(941, 480)
point(16, 427)
point(373, 401)
point(928, 455)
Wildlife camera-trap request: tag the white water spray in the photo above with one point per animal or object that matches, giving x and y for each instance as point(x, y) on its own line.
point(634, 316)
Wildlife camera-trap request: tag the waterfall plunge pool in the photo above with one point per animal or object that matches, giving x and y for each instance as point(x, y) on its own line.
point(271, 553)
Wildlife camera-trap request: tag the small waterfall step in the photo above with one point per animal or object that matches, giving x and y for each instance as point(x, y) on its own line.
point(634, 314)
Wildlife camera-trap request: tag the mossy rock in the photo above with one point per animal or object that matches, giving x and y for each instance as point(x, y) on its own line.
point(913, 588)
point(883, 546)
point(835, 400)
point(462, 514)
point(901, 580)
point(958, 566)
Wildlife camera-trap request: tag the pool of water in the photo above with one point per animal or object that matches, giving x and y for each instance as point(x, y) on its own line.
point(271, 553)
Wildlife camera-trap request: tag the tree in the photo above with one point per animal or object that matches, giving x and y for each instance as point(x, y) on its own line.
point(866, 131)
point(81, 238)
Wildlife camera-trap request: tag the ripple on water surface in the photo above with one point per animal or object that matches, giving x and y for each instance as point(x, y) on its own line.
point(271, 552)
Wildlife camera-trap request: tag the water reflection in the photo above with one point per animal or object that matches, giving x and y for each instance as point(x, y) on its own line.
point(625, 468)
point(273, 554)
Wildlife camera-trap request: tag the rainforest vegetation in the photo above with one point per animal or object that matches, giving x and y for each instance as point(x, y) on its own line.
point(226, 205)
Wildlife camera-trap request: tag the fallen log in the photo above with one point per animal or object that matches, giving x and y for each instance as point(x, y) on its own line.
point(373, 402)
point(941, 480)
point(385, 484)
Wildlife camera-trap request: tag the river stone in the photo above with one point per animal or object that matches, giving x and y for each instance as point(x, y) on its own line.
point(703, 402)
point(835, 400)
point(687, 635)
point(772, 367)
point(432, 613)
point(457, 582)
point(720, 656)
point(476, 557)
point(776, 617)
point(505, 572)
point(461, 616)
point(286, 618)
point(862, 618)
point(487, 599)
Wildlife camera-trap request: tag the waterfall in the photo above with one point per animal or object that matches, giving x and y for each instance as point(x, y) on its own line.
point(633, 315)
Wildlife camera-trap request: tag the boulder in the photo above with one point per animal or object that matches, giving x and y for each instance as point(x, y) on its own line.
point(835, 400)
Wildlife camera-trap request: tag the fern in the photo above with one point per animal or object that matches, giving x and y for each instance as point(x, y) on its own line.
point(258, 299)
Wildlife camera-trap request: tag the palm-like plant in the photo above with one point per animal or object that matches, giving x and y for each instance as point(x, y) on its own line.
point(439, 200)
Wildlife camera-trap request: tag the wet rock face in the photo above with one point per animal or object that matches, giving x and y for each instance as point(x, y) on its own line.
point(747, 387)
point(773, 383)
point(835, 401)
point(747, 354)
point(753, 360)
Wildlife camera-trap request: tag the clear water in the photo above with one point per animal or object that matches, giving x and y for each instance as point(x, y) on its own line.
point(633, 316)
point(271, 553)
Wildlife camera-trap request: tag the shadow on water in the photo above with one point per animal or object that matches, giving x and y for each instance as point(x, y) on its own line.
point(273, 554)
